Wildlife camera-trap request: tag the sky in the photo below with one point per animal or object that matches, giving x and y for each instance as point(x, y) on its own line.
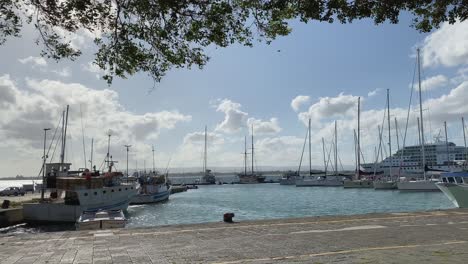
point(317, 72)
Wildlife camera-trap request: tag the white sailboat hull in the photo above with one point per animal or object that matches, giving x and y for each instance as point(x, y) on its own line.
point(329, 181)
point(421, 185)
point(385, 185)
point(456, 193)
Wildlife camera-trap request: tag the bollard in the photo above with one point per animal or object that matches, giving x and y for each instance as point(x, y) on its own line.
point(6, 204)
point(227, 217)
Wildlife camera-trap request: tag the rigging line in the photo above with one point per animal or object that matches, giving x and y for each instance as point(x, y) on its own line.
point(83, 136)
point(407, 117)
point(380, 136)
point(329, 156)
point(302, 154)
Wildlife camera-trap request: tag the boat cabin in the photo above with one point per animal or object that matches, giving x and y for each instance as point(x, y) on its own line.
point(455, 177)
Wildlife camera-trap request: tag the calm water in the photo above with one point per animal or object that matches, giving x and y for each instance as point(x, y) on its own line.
point(267, 201)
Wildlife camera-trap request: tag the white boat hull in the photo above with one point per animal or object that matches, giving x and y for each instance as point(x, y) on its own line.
point(456, 193)
point(290, 181)
point(108, 198)
point(151, 198)
point(358, 184)
point(423, 186)
point(385, 185)
point(329, 181)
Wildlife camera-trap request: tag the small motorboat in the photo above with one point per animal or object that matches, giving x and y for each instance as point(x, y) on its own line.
point(95, 220)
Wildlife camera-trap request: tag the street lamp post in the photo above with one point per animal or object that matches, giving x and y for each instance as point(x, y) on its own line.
point(44, 158)
point(127, 147)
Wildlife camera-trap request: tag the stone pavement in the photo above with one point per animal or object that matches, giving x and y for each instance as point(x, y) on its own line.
point(431, 237)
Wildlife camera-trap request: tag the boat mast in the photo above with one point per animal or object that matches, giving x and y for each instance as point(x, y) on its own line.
point(154, 167)
point(91, 158)
point(252, 150)
point(389, 134)
point(421, 117)
point(336, 151)
point(397, 132)
point(358, 140)
point(324, 156)
point(446, 145)
point(245, 155)
point(205, 157)
point(64, 138)
point(464, 137)
point(419, 136)
point(310, 153)
point(61, 138)
point(108, 148)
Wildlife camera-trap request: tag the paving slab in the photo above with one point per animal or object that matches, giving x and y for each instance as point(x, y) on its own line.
point(430, 237)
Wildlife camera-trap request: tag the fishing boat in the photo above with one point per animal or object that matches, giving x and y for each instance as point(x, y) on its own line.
point(108, 219)
point(74, 192)
point(154, 187)
point(455, 186)
point(252, 176)
point(321, 179)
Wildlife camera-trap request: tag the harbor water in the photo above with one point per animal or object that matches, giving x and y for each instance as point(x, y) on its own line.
point(208, 203)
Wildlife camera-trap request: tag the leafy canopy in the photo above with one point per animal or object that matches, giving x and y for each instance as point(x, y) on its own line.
point(153, 36)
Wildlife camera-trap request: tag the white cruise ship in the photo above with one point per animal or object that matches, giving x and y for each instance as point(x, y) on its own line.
point(408, 161)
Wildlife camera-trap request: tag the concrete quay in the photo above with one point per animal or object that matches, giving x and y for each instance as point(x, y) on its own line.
point(429, 237)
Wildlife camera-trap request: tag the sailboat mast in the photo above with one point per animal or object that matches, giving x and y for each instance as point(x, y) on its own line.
point(464, 136)
point(421, 117)
point(336, 150)
point(154, 167)
point(446, 144)
point(62, 158)
point(324, 157)
point(252, 150)
point(358, 169)
point(389, 134)
point(108, 148)
point(92, 149)
point(65, 134)
point(397, 132)
point(310, 152)
point(245, 155)
point(205, 154)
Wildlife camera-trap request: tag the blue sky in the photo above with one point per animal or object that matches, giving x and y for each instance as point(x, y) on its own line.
point(317, 60)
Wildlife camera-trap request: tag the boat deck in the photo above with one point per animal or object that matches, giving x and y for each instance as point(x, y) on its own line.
point(429, 237)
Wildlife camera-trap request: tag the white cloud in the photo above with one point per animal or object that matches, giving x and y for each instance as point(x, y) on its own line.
point(373, 92)
point(65, 72)
point(26, 112)
point(93, 68)
point(447, 46)
point(264, 127)
point(431, 83)
point(331, 107)
point(234, 118)
point(298, 101)
point(35, 61)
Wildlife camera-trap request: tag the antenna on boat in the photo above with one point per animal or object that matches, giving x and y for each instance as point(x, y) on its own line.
point(127, 147)
point(421, 117)
point(389, 135)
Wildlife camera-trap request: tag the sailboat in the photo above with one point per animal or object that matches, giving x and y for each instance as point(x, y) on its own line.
point(208, 176)
point(424, 184)
point(75, 192)
point(319, 180)
point(387, 183)
point(290, 177)
point(252, 176)
point(358, 182)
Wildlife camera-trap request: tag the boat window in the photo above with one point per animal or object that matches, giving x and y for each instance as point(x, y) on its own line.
point(120, 189)
point(444, 179)
point(451, 180)
point(112, 190)
point(85, 194)
point(103, 191)
point(458, 179)
point(95, 193)
point(131, 188)
point(126, 188)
